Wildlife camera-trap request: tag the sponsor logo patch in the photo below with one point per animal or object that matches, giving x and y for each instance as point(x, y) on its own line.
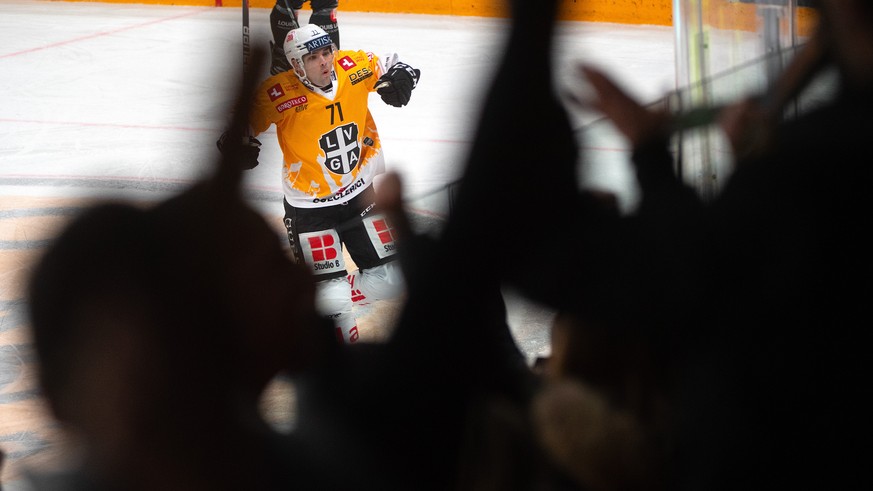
point(381, 235)
point(317, 43)
point(358, 296)
point(347, 63)
point(360, 75)
point(297, 101)
point(275, 92)
point(353, 335)
point(342, 193)
point(322, 252)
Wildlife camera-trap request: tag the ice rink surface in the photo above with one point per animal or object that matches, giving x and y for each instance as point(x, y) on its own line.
point(126, 101)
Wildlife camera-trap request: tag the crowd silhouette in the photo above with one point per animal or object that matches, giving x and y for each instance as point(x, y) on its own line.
point(700, 345)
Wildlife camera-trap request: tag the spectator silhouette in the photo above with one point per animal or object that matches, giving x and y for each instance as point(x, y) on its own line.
point(416, 399)
point(603, 414)
point(758, 293)
point(155, 336)
point(156, 330)
point(756, 297)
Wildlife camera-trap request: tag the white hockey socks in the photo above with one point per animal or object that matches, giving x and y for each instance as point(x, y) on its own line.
point(334, 302)
point(383, 282)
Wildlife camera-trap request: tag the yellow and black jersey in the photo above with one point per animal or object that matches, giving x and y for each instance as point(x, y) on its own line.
point(329, 140)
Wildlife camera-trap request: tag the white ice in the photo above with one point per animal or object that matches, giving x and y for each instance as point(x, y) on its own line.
point(128, 100)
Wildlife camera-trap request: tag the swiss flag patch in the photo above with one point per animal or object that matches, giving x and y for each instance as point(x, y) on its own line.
point(275, 92)
point(347, 63)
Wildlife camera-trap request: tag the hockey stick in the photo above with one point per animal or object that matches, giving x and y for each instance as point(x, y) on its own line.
point(804, 66)
point(247, 48)
point(291, 11)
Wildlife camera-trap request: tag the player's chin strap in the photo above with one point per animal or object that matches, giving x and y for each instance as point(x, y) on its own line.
point(305, 81)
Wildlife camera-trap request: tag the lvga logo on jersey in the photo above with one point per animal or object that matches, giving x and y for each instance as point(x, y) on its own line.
point(341, 150)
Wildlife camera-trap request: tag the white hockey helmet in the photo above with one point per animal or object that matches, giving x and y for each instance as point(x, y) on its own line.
point(301, 41)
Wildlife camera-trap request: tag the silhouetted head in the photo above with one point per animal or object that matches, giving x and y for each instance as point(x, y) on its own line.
point(185, 300)
point(847, 28)
point(92, 303)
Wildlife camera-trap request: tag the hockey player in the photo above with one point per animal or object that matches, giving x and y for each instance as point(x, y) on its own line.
point(332, 152)
point(285, 17)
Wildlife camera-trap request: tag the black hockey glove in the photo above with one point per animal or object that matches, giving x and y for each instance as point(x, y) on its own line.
point(246, 152)
point(396, 86)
